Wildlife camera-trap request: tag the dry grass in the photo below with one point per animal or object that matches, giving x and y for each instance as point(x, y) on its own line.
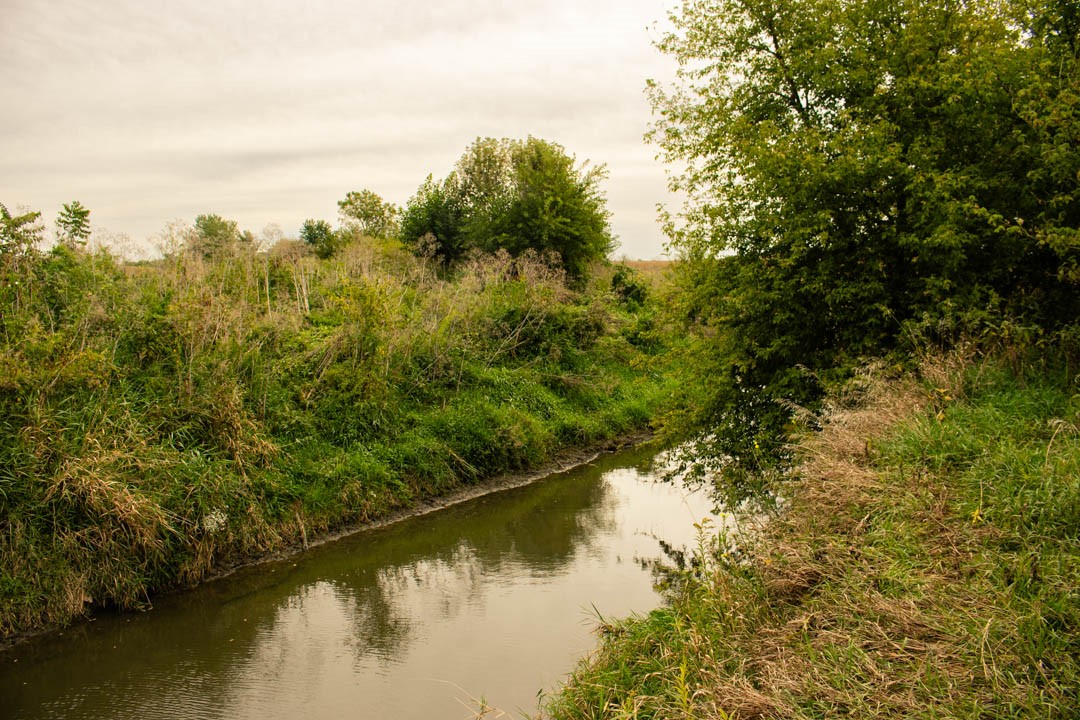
point(873, 594)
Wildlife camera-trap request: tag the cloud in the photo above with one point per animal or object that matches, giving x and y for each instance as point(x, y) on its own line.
point(270, 112)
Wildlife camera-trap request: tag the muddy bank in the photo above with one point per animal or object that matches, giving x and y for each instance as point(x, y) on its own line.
point(565, 461)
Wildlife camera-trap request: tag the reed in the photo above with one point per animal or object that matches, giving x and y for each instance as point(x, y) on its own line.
point(159, 421)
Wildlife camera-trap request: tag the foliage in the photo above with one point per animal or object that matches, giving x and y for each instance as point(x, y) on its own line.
point(925, 567)
point(318, 235)
point(627, 285)
point(213, 236)
point(555, 206)
point(366, 213)
point(160, 421)
point(19, 234)
point(515, 196)
point(433, 221)
point(855, 167)
point(73, 224)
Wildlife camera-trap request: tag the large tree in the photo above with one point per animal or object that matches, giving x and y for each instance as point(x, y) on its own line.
point(514, 195)
point(213, 236)
point(852, 165)
point(556, 206)
point(857, 168)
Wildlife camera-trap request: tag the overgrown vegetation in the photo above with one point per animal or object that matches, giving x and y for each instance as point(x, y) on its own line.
point(863, 174)
point(926, 566)
point(512, 195)
point(161, 419)
point(867, 179)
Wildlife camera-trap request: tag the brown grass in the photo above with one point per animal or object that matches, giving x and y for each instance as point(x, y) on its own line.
point(853, 633)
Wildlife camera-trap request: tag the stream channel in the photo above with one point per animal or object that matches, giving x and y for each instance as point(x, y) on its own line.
point(492, 599)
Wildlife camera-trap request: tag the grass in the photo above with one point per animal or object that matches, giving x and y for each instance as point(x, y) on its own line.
point(163, 420)
point(926, 566)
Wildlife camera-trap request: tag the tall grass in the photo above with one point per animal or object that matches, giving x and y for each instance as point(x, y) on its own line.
point(925, 566)
point(159, 420)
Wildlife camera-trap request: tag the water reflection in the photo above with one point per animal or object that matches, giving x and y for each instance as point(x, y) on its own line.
point(490, 598)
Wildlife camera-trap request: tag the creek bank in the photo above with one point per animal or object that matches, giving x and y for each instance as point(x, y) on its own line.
point(565, 461)
point(925, 566)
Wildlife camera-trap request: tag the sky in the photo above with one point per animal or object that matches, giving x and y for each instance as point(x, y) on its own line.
point(151, 111)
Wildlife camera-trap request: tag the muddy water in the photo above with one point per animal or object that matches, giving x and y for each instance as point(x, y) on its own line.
point(492, 600)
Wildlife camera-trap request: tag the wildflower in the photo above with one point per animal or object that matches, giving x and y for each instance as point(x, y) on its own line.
point(214, 521)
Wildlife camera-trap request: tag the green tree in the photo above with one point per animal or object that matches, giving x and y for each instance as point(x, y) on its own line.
point(366, 213)
point(856, 166)
point(1050, 106)
point(483, 181)
point(213, 236)
point(19, 233)
point(555, 206)
point(433, 221)
point(73, 224)
point(318, 235)
point(514, 195)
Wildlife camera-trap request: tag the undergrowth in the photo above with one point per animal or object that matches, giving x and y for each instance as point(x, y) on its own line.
point(925, 565)
point(160, 420)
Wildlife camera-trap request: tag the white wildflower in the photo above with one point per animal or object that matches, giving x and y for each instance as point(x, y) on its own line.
point(213, 521)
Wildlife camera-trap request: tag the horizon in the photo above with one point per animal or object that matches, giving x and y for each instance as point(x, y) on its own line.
point(149, 113)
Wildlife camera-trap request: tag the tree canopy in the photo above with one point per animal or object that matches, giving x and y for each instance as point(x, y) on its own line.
point(859, 173)
point(514, 195)
point(366, 213)
point(318, 235)
point(857, 166)
point(213, 235)
point(19, 233)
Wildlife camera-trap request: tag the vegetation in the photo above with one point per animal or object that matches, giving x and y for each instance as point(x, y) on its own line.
point(869, 179)
point(517, 196)
point(864, 179)
point(926, 566)
point(73, 224)
point(320, 237)
point(365, 213)
point(160, 420)
point(862, 174)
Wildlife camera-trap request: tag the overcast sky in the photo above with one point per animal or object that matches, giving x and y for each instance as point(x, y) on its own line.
point(148, 111)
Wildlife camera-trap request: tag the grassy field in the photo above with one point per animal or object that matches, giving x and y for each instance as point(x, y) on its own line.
point(925, 564)
point(162, 420)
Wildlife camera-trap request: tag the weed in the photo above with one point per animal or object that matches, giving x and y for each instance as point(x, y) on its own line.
point(924, 566)
point(162, 420)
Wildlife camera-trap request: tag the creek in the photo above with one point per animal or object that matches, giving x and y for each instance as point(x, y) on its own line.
point(491, 600)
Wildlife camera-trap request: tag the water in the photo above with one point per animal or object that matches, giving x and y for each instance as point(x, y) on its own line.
point(494, 599)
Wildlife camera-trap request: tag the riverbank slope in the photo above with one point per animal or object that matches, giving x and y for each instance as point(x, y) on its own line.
point(925, 565)
point(161, 421)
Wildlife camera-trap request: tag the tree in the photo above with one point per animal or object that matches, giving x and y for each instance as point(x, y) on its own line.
point(555, 206)
point(1050, 106)
point(367, 213)
point(434, 220)
point(320, 236)
point(19, 233)
point(854, 167)
point(214, 236)
point(514, 195)
point(73, 225)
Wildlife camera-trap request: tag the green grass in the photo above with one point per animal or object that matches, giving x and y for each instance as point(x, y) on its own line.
point(158, 422)
point(927, 566)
